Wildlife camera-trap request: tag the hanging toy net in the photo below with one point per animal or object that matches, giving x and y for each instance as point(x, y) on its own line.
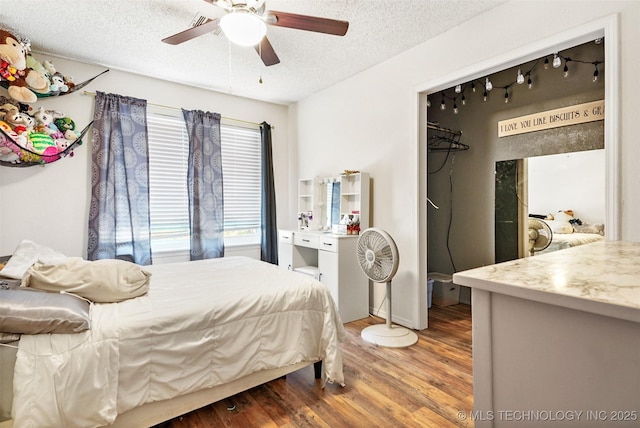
point(35, 137)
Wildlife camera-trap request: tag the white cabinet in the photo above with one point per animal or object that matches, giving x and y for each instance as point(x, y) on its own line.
point(332, 260)
point(338, 269)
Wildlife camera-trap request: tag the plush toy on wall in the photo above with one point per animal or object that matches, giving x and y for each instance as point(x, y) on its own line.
point(37, 66)
point(13, 69)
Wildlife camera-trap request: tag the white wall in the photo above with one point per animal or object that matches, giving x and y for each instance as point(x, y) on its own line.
point(369, 121)
point(568, 181)
point(50, 204)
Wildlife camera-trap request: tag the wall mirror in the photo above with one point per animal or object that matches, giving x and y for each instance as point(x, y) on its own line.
point(568, 189)
point(332, 201)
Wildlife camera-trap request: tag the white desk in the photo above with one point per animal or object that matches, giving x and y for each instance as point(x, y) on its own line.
point(332, 260)
point(556, 338)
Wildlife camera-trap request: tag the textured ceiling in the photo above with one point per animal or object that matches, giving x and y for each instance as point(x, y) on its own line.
point(126, 35)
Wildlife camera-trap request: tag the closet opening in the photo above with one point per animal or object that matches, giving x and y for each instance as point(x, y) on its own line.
point(479, 221)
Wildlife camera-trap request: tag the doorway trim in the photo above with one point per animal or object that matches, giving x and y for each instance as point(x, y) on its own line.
point(607, 27)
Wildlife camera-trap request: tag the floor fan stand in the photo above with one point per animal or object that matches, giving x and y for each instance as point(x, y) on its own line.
point(389, 335)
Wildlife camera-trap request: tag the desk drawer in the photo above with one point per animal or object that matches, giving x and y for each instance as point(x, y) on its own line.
point(328, 244)
point(286, 236)
point(304, 240)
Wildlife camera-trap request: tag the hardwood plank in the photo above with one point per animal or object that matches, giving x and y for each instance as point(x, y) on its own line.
point(421, 386)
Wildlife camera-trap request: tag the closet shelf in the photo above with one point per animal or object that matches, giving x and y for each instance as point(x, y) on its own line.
point(441, 139)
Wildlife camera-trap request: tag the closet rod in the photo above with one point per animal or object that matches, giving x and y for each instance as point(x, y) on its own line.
point(433, 126)
point(93, 94)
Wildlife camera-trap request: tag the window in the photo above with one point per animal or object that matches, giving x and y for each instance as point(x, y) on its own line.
point(169, 205)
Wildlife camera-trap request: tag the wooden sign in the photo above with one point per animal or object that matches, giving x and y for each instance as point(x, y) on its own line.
point(572, 115)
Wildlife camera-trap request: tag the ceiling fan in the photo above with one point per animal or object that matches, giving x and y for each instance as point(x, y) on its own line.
point(245, 24)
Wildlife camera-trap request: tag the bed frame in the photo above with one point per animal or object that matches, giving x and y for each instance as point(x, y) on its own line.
point(160, 411)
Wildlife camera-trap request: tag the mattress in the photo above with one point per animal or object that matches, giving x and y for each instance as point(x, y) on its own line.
point(202, 324)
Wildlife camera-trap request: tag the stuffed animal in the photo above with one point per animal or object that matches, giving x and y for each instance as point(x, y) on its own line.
point(7, 155)
point(40, 142)
point(70, 82)
point(71, 135)
point(28, 121)
point(13, 118)
point(8, 109)
point(58, 80)
point(48, 65)
point(13, 69)
point(37, 66)
point(44, 122)
point(64, 123)
point(9, 149)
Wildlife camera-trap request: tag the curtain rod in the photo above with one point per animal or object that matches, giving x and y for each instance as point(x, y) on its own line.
point(93, 94)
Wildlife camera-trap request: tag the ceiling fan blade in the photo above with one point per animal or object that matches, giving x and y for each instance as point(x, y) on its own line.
point(308, 23)
point(209, 26)
point(266, 52)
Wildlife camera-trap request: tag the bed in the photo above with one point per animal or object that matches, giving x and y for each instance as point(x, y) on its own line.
point(569, 231)
point(205, 330)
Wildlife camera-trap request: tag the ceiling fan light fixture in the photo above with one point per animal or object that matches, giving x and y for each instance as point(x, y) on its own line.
point(243, 28)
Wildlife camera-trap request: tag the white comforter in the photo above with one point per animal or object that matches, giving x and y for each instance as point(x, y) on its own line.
point(202, 324)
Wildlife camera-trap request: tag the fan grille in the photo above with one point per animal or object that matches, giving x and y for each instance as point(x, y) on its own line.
point(377, 255)
point(540, 235)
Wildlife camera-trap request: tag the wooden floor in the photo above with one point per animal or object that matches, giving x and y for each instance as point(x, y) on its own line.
point(426, 385)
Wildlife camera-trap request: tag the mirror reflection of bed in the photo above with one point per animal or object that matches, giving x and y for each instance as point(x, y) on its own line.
point(566, 191)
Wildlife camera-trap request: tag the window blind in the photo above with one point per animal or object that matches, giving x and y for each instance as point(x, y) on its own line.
point(169, 205)
point(241, 168)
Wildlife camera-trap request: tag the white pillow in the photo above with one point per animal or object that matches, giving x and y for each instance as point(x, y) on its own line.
point(101, 281)
point(25, 255)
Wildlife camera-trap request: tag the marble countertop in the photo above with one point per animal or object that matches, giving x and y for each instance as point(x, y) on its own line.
point(602, 278)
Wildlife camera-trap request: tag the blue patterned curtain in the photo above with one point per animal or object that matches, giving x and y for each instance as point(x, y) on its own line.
point(269, 228)
point(204, 182)
point(119, 225)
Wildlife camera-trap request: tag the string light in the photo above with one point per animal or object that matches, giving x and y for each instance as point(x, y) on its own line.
point(558, 59)
point(488, 85)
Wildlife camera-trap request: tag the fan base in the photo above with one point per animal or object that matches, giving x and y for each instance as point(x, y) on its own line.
point(391, 337)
